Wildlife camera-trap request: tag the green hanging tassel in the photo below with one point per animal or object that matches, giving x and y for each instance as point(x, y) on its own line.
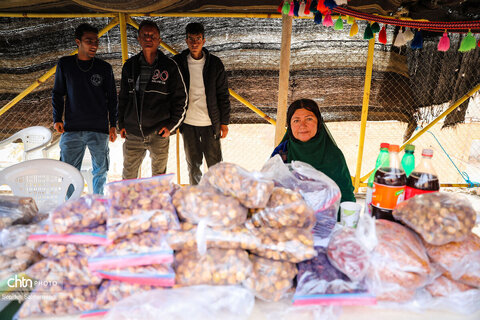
point(339, 23)
point(286, 7)
point(368, 34)
point(375, 27)
point(468, 43)
point(350, 19)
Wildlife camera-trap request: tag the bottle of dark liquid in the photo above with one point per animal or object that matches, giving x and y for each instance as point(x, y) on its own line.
point(388, 186)
point(423, 179)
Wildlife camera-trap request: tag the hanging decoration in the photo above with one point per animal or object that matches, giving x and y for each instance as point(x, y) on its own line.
point(317, 8)
point(444, 43)
point(327, 21)
point(382, 36)
point(417, 42)
point(353, 29)
point(339, 23)
point(468, 43)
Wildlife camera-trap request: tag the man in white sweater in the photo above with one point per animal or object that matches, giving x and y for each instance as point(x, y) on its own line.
point(208, 112)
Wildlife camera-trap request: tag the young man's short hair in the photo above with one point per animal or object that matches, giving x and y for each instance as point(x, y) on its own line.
point(194, 28)
point(149, 23)
point(84, 27)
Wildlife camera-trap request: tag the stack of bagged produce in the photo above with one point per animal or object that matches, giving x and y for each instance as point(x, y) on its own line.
point(75, 231)
point(18, 219)
point(212, 245)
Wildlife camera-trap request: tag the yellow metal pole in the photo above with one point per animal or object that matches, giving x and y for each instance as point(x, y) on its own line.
point(178, 156)
point(47, 75)
point(123, 35)
point(366, 99)
point(251, 106)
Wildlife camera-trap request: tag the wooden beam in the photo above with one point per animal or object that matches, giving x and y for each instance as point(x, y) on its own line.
point(283, 78)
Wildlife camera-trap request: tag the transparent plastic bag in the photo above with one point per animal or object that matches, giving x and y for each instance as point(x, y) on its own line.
point(270, 280)
point(140, 205)
point(460, 260)
point(443, 287)
point(64, 250)
point(289, 244)
point(197, 302)
point(250, 188)
point(16, 210)
point(439, 217)
point(347, 253)
point(285, 208)
point(320, 283)
point(216, 267)
point(111, 292)
point(152, 275)
point(454, 296)
point(236, 238)
point(197, 203)
point(73, 271)
point(92, 236)
point(59, 300)
point(17, 236)
point(319, 191)
point(399, 263)
point(134, 250)
point(74, 216)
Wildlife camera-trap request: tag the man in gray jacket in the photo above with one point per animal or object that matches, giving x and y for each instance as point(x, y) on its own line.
point(151, 104)
point(208, 113)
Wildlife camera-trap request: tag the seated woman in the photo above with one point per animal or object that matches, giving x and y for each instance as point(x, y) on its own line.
point(308, 140)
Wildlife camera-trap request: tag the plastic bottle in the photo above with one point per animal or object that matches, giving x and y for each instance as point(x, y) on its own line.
point(388, 186)
point(423, 179)
point(382, 159)
point(408, 160)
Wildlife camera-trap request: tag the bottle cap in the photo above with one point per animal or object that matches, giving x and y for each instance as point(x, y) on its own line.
point(410, 147)
point(394, 148)
point(427, 152)
point(384, 145)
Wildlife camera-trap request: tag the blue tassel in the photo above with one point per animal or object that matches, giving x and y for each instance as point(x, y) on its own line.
point(330, 4)
point(318, 17)
point(313, 6)
point(295, 8)
point(417, 42)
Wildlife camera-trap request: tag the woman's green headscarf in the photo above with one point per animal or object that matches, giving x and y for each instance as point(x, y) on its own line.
point(321, 151)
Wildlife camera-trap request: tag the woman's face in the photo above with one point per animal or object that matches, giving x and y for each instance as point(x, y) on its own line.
point(304, 125)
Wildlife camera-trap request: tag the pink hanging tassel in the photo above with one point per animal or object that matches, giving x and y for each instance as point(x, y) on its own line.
point(444, 43)
point(327, 21)
point(292, 6)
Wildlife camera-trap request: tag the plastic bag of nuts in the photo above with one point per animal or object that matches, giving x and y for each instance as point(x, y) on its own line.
point(444, 287)
point(110, 292)
point(15, 209)
point(64, 250)
point(289, 244)
point(346, 253)
point(285, 208)
point(73, 216)
point(63, 300)
point(197, 203)
point(15, 260)
point(236, 238)
point(250, 189)
point(73, 271)
point(133, 250)
point(216, 267)
point(270, 279)
point(439, 217)
point(399, 263)
point(460, 260)
point(140, 205)
point(154, 275)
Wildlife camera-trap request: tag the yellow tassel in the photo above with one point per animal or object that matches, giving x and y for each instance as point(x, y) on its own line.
point(354, 29)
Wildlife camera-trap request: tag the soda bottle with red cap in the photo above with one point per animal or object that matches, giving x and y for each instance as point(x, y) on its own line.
point(388, 186)
point(423, 178)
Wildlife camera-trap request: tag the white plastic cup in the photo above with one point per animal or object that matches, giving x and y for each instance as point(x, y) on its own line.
point(349, 213)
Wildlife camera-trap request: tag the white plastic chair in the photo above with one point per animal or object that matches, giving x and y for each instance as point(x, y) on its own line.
point(45, 180)
point(87, 167)
point(34, 140)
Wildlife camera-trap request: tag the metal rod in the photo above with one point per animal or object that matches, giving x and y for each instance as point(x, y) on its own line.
point(123, 35)
point(251, 106)
point(178, 156)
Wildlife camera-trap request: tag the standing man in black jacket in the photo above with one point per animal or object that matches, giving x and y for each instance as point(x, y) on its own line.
point(151, 104)
point(208, 112)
